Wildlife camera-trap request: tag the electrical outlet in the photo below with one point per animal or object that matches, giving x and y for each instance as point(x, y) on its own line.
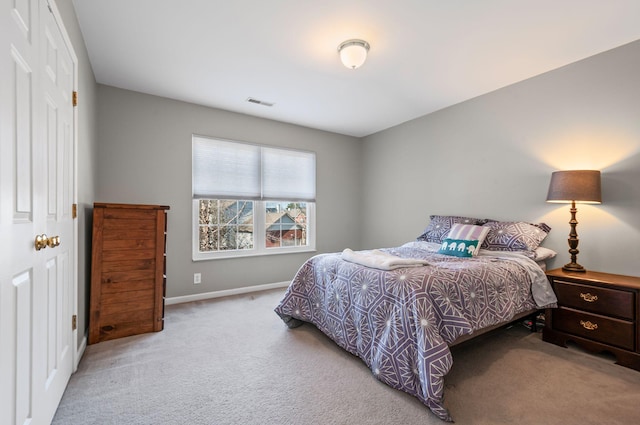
point(197, 278)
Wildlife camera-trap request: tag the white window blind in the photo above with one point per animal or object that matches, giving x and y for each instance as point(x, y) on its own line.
point(288, 174)
point(225, 169)
point(234, 170)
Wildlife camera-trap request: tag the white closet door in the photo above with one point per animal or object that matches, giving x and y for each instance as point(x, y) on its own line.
point(36, 196)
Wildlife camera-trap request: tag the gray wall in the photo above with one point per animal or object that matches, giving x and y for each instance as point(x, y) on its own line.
point(86, 159)
point(145, 157)
point(493, 156)
point(489, 157)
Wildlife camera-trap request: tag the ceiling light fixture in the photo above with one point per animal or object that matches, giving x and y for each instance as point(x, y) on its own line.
point(353, 53)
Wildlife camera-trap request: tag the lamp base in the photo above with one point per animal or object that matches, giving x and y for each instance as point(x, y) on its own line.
point(573, 267)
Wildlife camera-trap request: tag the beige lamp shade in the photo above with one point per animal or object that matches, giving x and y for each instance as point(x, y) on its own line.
point(580, 186)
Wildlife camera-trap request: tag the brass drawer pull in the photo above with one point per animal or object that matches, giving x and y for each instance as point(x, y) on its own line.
point(588, 297)
point(588, 325)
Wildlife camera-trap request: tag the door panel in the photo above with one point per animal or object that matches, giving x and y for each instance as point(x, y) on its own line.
point(18, 61)
point(36, 192)
point(56, 363)
point(23, 319)
point(22, 104)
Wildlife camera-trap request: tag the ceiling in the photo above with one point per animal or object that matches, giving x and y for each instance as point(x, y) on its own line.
point(425, 54)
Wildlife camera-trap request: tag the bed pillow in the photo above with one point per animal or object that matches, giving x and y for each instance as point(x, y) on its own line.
point(459, 247)
point(514, 235)
point(440, 225)
point(542, 253)
point(545, 227)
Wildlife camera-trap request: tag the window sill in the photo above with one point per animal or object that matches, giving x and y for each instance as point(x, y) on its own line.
point(237, 254)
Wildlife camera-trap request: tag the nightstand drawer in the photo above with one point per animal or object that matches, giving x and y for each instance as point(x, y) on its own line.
point(610, 302)
point(619, 333)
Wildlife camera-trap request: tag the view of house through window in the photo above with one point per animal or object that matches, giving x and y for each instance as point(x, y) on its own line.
point(226, 224)
point(286, 224)
point(251, 199)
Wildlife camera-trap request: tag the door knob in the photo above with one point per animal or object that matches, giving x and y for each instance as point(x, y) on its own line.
point(42, 241)
point(53, 241)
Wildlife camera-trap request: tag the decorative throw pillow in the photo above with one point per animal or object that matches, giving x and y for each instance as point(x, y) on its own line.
point(469, 232)
point(459, 247)
point(440, 225)
point(514, 236)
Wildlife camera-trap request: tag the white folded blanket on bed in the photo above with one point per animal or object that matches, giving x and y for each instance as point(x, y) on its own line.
point(380, 260)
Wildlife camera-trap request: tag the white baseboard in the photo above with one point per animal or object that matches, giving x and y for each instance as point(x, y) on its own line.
point(224, 293)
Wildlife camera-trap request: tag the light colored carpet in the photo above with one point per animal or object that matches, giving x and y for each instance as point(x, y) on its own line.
point(233, 361)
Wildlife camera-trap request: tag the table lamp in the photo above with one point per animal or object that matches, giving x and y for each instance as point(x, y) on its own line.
point(574, 186)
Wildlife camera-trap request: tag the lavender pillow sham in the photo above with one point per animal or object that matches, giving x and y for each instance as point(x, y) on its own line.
point(514, 235)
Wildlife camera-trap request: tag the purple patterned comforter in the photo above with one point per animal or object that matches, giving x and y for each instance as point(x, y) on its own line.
point(400, 322)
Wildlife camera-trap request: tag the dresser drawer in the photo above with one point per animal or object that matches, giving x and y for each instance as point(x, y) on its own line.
point(607, 330)
point(610, 302)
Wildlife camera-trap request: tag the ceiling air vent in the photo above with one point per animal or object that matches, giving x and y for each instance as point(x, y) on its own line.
point(259, 102)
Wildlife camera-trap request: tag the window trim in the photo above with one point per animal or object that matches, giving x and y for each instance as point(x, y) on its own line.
point(259, 231)
point(259, 210)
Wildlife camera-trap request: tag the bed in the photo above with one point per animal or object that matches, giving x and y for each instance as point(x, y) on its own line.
point(400, 309)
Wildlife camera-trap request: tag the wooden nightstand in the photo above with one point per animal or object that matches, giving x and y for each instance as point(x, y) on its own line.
point(598, 311)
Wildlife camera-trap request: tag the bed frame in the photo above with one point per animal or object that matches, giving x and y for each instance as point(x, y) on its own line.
point(529, 313)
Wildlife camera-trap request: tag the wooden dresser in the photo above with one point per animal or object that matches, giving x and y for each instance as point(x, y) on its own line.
point(128, 270)
point(598, 311)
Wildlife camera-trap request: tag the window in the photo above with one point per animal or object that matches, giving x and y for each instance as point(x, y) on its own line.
point(251, 199)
